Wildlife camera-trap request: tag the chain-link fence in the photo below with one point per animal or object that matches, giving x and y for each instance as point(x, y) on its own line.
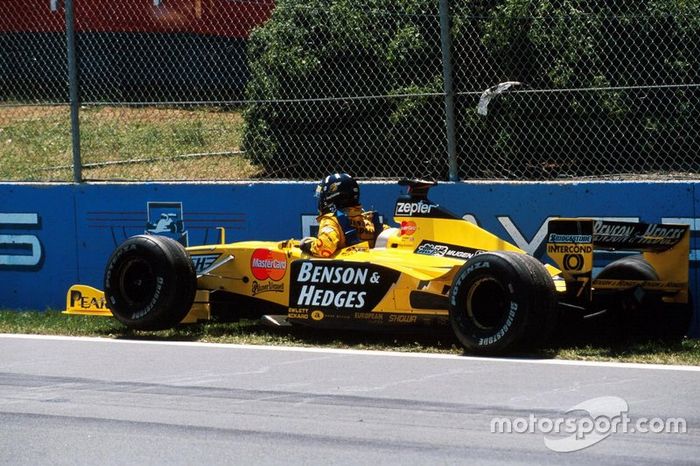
point(160, 88)
point(239, 89)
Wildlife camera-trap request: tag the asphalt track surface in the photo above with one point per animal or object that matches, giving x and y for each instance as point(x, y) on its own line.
point(92, 401)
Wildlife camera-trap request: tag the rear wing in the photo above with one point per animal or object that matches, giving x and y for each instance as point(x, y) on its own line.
point(571, 243)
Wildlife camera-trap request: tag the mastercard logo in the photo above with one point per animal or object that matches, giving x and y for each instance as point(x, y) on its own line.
point(268, 264)
point(408, 228)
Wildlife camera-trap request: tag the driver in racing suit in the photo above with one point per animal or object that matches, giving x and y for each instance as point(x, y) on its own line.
point(341, 220)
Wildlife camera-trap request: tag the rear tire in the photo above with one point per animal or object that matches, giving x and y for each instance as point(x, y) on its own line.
point(150, 283)
point(501, 301)
point(649, 316)
point(629, 268)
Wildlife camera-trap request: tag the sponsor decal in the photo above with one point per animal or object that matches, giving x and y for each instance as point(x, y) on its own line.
point(410, 209)
point(298, 313)
point(556, 238)
point(477, 266)
point(265, 287)
point(156, 296)
point(203, 262)
point(268, 265)
point(368, 316)
point(573, 262)
point(339, 285)
point(647, 285)
point(570, 248)
point(432, 248)
point(613, 234)
point(402, 319)
point(348, 275)
point(408, 228)
point(77, 299)
point(311, 295)
point(165, 219)
point(317, 315)
point(504, 329)
point(601, 228)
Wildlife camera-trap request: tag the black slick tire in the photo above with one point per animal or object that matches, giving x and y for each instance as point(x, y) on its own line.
point(150, 283)
point(501, 301)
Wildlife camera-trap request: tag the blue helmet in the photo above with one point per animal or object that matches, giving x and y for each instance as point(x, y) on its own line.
point(337, 192)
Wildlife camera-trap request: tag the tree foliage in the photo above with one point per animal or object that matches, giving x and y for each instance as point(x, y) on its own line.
point(313, 59)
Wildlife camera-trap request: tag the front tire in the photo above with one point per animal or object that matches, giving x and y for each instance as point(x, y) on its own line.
point(150, 283)
point(502, 301)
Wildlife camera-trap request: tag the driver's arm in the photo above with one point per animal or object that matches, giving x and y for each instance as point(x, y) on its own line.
point(328, 240)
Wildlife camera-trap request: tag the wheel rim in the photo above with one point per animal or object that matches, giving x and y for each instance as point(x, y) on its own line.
point(137, 283)
point(487, 303)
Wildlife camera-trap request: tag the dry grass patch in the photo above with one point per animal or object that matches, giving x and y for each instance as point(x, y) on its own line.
point(35, 143)
point(226, 167)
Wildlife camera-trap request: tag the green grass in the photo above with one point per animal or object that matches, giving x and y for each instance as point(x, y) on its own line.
point(249, 332)
point(35, 140)
point(244, 332)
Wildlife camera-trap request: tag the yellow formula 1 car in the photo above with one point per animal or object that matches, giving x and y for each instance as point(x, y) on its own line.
point(435, 268)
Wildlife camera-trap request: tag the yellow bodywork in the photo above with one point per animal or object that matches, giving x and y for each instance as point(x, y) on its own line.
point(262, 269)
point(575, 258)
point(83, 299)
point(86, 300)
point(412, 256)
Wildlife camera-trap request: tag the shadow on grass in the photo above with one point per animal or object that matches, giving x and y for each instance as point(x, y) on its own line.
point(619, 342)
point(254, 332)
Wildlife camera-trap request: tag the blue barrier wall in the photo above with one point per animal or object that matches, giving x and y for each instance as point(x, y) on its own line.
point(52, 236)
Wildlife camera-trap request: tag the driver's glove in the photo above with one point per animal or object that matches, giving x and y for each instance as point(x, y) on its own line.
point(306, 244)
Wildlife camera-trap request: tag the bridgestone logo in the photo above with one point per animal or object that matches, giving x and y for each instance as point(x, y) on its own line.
point(555, 238)
point(503, 330)
point(154, 300)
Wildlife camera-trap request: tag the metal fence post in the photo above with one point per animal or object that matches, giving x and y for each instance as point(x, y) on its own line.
point(74, 94)
point(446, 45)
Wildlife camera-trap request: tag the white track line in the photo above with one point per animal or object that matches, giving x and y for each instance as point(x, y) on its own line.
point(303, 349)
